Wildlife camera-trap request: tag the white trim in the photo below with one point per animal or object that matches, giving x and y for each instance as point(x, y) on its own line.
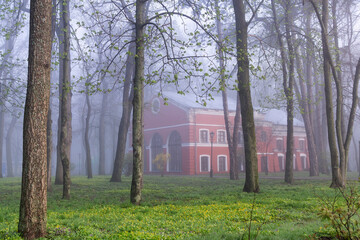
point(207, 140)
point(208, 156)
point(265, 153)
point(204, 145)
point(165, 127)
point(182, 125)
point(218, 162)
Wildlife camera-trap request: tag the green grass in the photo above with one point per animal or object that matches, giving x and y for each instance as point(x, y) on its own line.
point(174, 208)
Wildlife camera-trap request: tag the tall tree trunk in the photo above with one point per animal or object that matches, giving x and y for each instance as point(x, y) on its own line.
point(125, 117)
point(1, 135)
point(247, 112)
point(59, 176)
point(305, 113)
point(102, 132)
point(65, 127)
point(86, 137)
point(235, 136)
point(336, 174)
point(33, 203)
point(9, 163)
point(232, 148)
point(288, 80)
point(289, 93)
point(308, 98)
point(137, 176)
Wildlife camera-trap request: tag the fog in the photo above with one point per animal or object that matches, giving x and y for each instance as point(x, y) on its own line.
point(181, 57)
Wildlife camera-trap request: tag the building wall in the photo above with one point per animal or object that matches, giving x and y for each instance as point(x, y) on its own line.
point(190, 123)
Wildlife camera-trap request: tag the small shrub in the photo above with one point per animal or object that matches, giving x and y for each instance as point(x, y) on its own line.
point(160, 162)
point(342, 211)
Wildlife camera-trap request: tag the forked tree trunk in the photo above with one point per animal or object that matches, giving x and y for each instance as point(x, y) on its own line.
point(247, 112)
point(32, 217)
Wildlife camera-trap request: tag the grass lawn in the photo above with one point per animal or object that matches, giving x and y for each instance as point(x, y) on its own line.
point(175, 208)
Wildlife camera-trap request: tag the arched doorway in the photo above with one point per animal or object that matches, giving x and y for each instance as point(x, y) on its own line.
point(156, 148)
point(175, 161)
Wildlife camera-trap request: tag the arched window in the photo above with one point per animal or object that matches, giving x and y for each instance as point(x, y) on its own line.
point(175, 163)
point(156, 148)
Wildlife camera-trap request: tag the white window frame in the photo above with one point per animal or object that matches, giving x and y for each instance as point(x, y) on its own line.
point(218, 162)
point(302, 139)
point(203, 129)
point(281, 168)
point(282, 148)
point(217, 136)
point(208, 157)
point(294, 161)
point(303, 155)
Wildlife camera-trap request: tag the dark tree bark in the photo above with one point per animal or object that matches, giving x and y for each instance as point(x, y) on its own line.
point(32, 217)
point(137, 176)
point(65, 97)
point(247, 112)
point(9, 163)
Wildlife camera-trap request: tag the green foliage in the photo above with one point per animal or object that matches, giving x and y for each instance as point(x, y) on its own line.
point(178, 208)
point(341, 210)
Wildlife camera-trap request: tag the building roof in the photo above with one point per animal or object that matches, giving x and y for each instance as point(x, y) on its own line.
point(191, 101)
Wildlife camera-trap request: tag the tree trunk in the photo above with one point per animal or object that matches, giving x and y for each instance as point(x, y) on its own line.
point(1, 135)
point(232, 148)
point(9, 163)
point(102, 132)
point(308, 98)
point(137, 177)
point(235, 140)
point(289, 93)
point(336, 174)
point(86, 137)
point(65, 127)
point(32, 217)
point(247, 112)
point(125, 117)
point(59, 176)
point(288, 80)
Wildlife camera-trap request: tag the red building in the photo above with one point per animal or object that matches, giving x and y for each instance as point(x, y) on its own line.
point(183, 129)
